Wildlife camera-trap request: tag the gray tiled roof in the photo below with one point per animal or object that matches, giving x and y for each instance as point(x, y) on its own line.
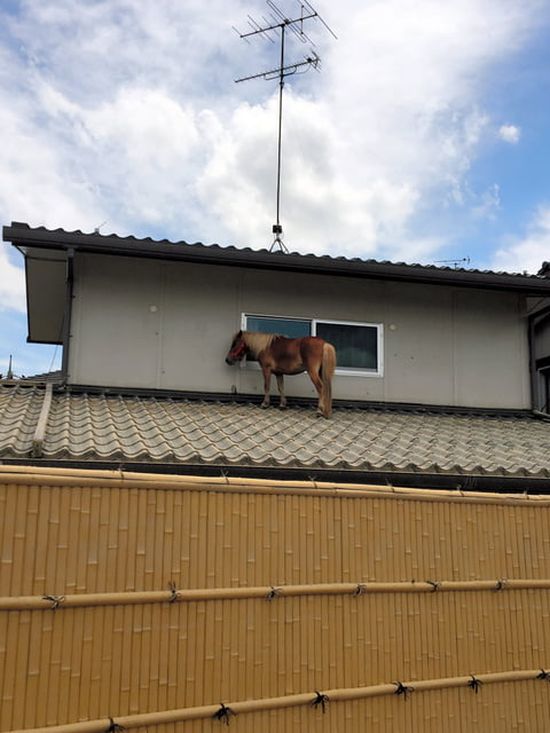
point(151, 430)
point(23, 235)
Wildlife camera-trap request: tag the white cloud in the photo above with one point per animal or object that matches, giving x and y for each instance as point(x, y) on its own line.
point(489, 203)
point(12, 284)
point(510, 133)
point(528, 253)
point(126, 111)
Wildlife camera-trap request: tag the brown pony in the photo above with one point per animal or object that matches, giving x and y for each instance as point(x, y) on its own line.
point(279, 355)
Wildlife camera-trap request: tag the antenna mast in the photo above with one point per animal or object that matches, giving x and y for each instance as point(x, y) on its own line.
point(279, 22)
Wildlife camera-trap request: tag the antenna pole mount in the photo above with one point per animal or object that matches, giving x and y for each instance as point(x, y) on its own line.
point(279, 22)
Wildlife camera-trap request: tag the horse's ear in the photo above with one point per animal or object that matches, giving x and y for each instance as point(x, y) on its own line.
point(240, 333)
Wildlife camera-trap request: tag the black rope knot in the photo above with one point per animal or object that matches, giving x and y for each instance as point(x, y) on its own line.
point(223, 713)
point(543, 675)
point(320, 699)
point(360, 589)
point(401, 689)
point(500, 584)
point(435, 585)
point(272, 593)
point(114, 727)
point(174, 593)
point(56, 601)
point(474, 684)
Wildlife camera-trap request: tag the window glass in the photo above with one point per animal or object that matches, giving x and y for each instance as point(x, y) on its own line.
point(356, 346)
point(291, 327)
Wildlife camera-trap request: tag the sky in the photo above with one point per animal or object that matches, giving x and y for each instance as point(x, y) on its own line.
point(425, 137)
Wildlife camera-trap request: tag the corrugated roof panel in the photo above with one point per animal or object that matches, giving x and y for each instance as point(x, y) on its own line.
point(91, 427)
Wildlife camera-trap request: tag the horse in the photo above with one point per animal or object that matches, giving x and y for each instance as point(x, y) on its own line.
point(280, 355)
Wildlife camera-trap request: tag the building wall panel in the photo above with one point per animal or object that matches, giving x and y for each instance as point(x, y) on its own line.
point(169, 325)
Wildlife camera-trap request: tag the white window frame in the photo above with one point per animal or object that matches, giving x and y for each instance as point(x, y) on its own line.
point(352, 371)
point(340, 371)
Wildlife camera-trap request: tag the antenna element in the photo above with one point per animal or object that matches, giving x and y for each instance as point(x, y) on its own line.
point(280, 24)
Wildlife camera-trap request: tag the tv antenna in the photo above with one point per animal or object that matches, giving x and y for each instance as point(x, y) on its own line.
point(279, 24)
point(456, 263)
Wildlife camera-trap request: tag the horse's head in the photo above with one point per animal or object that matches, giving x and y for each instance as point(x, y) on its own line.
point(237, 350)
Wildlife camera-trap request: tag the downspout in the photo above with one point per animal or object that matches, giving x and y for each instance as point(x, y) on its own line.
point(69, 279)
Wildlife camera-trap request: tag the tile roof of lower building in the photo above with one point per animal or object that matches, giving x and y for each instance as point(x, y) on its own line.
point(188, 432)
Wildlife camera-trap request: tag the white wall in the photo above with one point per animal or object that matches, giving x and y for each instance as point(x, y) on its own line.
point(152, 324)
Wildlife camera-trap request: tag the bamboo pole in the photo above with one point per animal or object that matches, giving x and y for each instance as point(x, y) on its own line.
point(139, 720)
point(79, 600)
point(44, 476)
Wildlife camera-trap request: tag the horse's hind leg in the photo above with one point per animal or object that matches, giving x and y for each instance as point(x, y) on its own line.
point(267, 386)
point(318, 384)
point(281, 387)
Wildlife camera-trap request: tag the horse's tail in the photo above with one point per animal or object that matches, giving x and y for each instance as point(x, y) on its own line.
point(328, 365)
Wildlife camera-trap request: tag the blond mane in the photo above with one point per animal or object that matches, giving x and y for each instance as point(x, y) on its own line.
point(257, 342)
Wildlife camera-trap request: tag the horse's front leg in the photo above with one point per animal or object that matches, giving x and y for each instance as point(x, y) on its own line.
point(267, 385)
point(281, 387)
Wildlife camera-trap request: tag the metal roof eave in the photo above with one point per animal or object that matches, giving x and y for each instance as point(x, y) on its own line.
point(22, 236)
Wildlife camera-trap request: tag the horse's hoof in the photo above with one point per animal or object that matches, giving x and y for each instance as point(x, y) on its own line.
point(264, 405)
point(282, 407)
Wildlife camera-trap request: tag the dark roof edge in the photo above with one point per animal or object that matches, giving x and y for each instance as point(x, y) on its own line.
point(22, 235)
point(420, 480)
point(246, 398)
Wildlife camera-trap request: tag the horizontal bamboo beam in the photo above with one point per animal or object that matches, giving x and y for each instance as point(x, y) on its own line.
point(140, 720)
point(80, 478)
point(20, 603)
